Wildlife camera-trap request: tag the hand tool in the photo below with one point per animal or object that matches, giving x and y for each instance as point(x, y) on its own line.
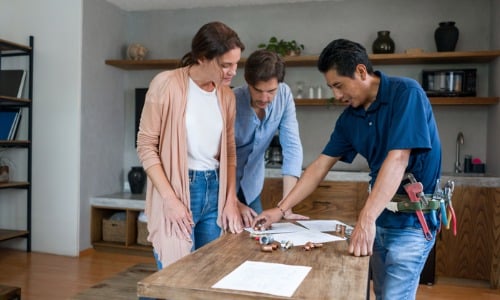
point(415, 190)
point(438, 196)
point(452, 218)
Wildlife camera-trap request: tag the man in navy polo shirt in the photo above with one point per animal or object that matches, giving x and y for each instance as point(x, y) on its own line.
point(389, 121)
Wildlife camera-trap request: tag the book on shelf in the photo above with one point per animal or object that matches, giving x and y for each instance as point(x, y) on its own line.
point(9, 123)
point(12, 83)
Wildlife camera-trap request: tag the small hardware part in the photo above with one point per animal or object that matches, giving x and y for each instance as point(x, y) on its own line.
point(310, 245)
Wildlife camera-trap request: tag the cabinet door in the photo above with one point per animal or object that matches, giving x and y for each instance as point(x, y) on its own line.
point(331, 199)
point(469, 254)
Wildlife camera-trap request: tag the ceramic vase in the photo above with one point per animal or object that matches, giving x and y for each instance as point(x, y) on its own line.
point(136, 179)
point(446, 36)
point(383, 43)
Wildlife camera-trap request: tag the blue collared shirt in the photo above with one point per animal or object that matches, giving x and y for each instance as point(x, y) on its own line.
point(254, 136)
point(401, 117)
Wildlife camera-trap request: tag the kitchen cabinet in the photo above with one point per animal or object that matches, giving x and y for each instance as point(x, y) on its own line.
point(22, 187)
point(479, 57)
point(330, 200)
point(475, 252)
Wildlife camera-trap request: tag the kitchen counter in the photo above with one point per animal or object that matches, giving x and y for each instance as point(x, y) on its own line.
point(121, 200)
point(471, 179)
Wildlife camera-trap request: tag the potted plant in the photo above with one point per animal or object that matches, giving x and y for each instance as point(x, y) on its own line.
point(282, 47)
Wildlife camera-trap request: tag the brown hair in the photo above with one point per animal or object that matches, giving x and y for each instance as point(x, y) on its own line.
point(263, 65)
point(212, 40)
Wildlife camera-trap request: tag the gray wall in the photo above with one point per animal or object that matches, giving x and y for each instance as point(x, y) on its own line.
point(103, 109)
point(412, 25)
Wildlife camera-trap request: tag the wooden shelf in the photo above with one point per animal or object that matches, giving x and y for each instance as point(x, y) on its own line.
point(311, 60)
point(12, 101)
point(15, 143)
point(434, 101)
point(6, 234)
point(14, 184)
point(10, 46)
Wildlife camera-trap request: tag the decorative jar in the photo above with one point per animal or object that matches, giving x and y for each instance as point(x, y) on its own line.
point(446, 36)
point(383, 43)
point(136, 179)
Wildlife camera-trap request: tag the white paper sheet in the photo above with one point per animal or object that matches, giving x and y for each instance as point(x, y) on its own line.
point(322, 225)
point(262, 277)
point(278, 228)
point(300, 238)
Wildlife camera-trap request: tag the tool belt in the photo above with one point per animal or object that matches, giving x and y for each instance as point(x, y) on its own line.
point(415, 201)
point(402, 203)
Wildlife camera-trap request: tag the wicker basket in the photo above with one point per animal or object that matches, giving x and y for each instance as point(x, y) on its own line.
point(113, 231)
point(142, 233)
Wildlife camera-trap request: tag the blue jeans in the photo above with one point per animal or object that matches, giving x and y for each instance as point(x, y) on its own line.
point(204, 191)
point(256, 204)
point(399, 255)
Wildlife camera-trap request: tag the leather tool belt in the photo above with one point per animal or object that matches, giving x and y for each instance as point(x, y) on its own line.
point(402, 203)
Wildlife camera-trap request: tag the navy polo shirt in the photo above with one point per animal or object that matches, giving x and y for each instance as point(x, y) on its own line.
point(400, 118)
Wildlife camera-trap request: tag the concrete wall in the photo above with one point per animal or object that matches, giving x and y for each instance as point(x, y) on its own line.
point(412, 25)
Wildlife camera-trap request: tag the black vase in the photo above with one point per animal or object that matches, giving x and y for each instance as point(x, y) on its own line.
point(446, 36)
point(383, 43)
point(136, 180)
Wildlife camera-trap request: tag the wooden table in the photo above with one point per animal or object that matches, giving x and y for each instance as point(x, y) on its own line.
point(335, 274)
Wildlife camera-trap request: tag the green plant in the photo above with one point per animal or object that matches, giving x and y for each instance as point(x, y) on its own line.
point(282, 47)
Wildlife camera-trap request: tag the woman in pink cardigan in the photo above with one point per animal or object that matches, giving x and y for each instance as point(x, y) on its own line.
point(186, 145)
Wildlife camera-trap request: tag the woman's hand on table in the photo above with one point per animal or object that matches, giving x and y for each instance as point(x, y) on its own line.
point(247, 214)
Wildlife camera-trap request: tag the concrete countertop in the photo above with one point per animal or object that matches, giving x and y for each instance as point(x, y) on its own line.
point(122, 200)
point(467, 179)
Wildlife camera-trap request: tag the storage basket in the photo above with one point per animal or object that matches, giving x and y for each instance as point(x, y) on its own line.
point(113, 230)
point(142, 233)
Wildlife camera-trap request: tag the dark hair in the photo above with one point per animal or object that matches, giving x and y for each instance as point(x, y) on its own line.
point(343, 56)
point(212, 40)
point(263, 65)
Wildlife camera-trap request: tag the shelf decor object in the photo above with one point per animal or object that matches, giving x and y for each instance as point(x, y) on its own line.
point(383, 43)
point(446, 36)
point(282, 47)
point(136, 179)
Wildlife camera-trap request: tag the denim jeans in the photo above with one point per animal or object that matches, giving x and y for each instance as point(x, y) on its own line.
point(399, 255)
point(256, 204)
point(204, 191)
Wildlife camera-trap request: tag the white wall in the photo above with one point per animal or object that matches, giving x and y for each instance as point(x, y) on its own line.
point(56, 26)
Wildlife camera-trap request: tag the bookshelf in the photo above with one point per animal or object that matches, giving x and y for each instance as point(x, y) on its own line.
point(11, 99)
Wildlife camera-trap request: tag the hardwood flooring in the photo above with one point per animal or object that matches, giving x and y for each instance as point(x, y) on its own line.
point(52, 277)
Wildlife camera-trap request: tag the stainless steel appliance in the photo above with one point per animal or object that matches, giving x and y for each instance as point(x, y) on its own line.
point(449, 82)
point(274, 156)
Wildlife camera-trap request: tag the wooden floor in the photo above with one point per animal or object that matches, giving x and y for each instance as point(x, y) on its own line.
point(46, 276)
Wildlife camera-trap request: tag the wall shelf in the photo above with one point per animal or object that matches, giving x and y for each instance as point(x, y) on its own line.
point(434, 101)
point(311, 60)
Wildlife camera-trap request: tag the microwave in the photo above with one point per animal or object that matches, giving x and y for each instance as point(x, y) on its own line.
point(449, 82)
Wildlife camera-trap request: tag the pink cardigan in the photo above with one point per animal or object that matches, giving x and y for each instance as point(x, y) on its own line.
point(162, 140)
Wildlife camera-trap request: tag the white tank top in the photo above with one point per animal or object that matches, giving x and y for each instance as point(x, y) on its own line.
point(204, 128)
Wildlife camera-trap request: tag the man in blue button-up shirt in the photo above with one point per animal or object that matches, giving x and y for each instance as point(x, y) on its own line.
point(264, 106)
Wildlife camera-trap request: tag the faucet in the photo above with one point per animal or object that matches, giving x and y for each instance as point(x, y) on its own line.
point(460, 141)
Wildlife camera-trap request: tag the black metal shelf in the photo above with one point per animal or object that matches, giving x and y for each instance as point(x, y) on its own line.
point(10, 49)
